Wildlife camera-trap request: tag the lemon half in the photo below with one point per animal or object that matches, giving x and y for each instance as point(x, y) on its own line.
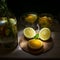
point(44, 34)
point(31, 18)
point(29, 32)
point(35, 44)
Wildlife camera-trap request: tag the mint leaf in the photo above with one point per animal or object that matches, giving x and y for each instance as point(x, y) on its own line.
point(36, 36)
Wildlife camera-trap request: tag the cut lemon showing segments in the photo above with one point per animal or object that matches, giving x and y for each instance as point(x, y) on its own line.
point(29, 32)
point(35, 44)
point(31, 18)
point(44, 34)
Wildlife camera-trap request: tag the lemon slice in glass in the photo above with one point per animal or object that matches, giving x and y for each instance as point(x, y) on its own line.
point(35, 44)
point(29, 32)
point(44, 34)
point(31, 18)
point(12, 21)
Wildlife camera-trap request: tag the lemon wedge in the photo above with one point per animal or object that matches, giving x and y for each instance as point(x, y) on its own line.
point(44, 34)
point(29, 32)
point(35, 44)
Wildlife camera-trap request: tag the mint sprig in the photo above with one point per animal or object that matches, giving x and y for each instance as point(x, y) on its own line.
point(36, 36)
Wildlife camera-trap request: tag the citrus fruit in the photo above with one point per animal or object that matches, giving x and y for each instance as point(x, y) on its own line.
point(29, 32)
point(31, 18)
point(44, 34)
point(35, 44)
point(12, 21)
point(45, 21)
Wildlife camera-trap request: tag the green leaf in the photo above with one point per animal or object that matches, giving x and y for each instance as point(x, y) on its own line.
point(36, 36)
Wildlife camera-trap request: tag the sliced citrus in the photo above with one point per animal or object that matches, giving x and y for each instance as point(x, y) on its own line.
point(31, 18)
point(29, 32)
point(35, 43)
point(12, 21)
point(44, 34)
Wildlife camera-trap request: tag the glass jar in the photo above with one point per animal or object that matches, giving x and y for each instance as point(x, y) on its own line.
point(8, 34)
point(8, 29)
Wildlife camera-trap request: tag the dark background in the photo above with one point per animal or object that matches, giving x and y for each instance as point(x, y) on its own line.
point(19, 7)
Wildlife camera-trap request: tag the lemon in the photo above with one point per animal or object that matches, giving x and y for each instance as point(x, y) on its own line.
point(35, 43)
point(31, 18)
point(45, 21)
point(44, 34)
point(12, 21)
point(29, 32)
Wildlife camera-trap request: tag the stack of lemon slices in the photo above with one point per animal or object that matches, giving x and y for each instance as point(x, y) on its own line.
point(33, 43)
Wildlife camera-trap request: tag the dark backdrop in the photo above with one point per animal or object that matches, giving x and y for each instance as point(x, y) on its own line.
point(19, 7)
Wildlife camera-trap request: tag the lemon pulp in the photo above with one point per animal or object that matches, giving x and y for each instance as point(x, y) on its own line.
point(44, 34)
point(29, 32)
point(31, 18)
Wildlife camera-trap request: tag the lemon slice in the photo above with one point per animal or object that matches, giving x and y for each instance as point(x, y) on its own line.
point(13, 21)
point(35, 44)
point(44, 34)
point(29, 32)
point(31, 18)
